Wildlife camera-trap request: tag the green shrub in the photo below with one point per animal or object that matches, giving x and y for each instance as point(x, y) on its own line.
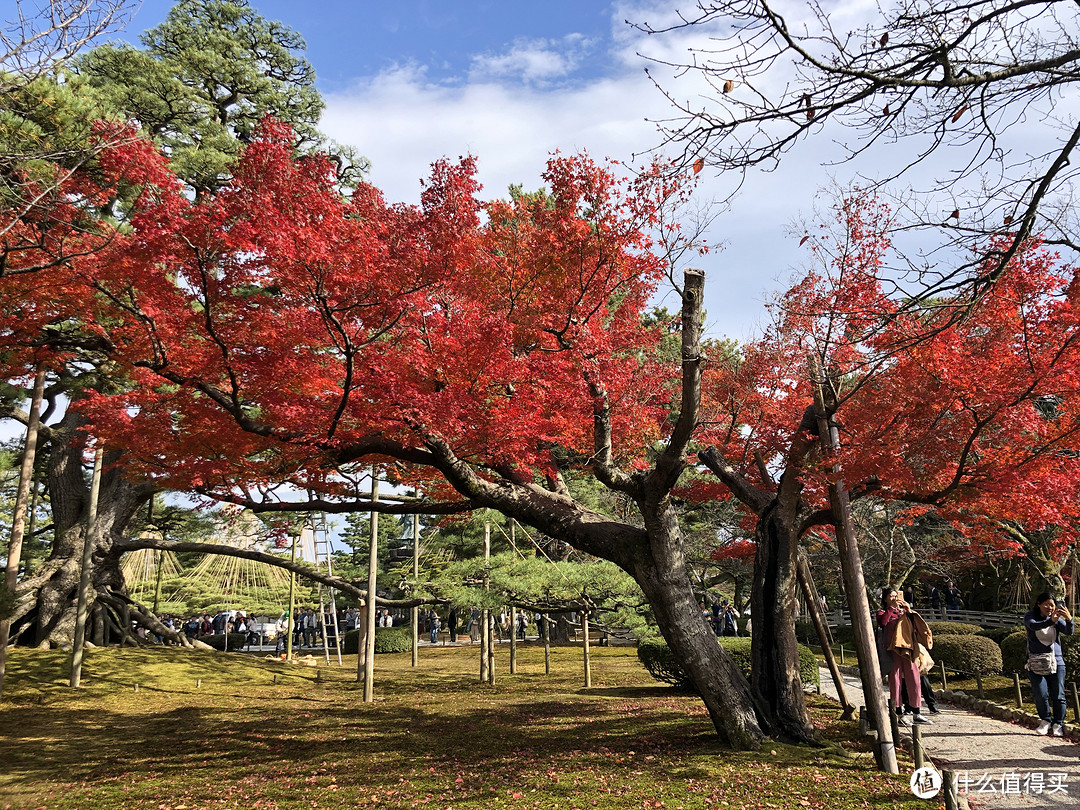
point(1014, 652)
point(387, 640)
point(656, 657)
point(1070, 650)
point(237, 641)
point(967, 652)
point(953, 629)
point(999, 634)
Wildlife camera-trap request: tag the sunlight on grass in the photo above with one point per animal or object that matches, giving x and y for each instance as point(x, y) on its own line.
point(214, 730)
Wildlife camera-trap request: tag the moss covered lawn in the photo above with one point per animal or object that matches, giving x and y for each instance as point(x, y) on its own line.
point(434, 737)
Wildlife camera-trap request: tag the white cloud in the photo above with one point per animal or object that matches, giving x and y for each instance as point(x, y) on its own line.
point(533, 61)
point(511, 113)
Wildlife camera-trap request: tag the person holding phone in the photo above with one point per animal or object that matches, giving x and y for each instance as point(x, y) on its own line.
point(1045, 622)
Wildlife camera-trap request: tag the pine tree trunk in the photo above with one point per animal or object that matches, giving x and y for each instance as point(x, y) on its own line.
point(665, 580)
point(45, 614)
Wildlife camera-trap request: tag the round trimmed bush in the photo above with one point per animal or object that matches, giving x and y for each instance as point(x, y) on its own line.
point(656, 657)
point(237, 641)
point(969, 653)
point(387, 640)
point(1014, 653)
point(999, 634)
point(953, 629)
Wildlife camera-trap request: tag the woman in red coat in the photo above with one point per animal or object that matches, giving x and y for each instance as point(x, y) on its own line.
point(895, 609)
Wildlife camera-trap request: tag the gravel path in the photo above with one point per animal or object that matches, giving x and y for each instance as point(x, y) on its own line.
point(1001, 764)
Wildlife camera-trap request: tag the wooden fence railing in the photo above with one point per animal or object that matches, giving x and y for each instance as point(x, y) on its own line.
point(840, 618)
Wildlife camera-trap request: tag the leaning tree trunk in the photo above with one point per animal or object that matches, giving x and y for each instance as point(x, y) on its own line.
point(777, 685)
point(663, 576)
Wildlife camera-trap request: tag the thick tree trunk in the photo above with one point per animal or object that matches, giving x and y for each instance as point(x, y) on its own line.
point(45, 614)
point(776, 683)
point(663, 576)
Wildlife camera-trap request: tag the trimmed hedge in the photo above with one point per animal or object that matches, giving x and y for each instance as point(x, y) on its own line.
point(953, 629)
point(1014, 653)
point(387, 640)
point(999, 634)
point(967, 652)
point(656, 657)
point(237, 641)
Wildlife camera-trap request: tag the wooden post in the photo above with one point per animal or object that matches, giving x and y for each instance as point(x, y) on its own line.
point(854, 582)
point(916, 746)
point(864, 726)
point(843, 657)
point(372, 589)
point(415, 611)
point(290, 624)
point(1076, 704)
point(18, 522)
point(1019, 694)
point(84, 572)
point(894, 722)
point(485, 615)
point(585, 648)
point(545, 631)
point(513, 640)
point(979, 686)
point(944, 678)
point(806, 583)
point(948, 787)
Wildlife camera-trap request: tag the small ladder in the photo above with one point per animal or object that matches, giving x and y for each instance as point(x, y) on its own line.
point(327, 601)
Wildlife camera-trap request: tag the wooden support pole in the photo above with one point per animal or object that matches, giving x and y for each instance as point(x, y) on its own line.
point(415, 611)
point(585, 648)
point(979, 686)
point(372, 590)
point(917, 747)
point(545, 630)
point(852, 570)
point(485, 615)
point(18, 522)
point(806, 583)
point(513, 640)
point(944, 677)
point(1076, 703)
point(83, 602)
point(1019, 694)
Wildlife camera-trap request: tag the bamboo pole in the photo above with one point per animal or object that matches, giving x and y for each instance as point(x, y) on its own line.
point(373, 572)
point(806, 582)
point(84, 572)
point(18, 522)
point(415, 611)
point(854, 582)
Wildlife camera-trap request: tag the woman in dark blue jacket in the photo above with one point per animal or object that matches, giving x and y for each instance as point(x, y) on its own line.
point(1046, 666)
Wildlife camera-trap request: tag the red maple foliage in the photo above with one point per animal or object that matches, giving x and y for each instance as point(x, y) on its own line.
point(974, 416)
